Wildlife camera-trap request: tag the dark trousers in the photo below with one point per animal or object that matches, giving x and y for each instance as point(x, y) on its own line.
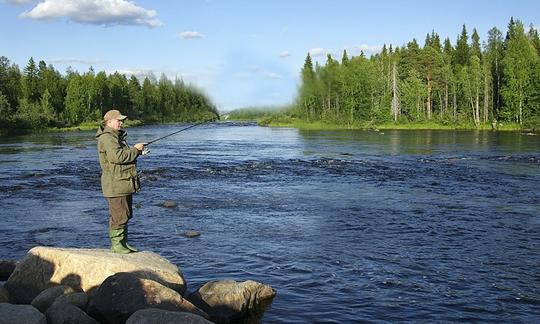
point(120, 211)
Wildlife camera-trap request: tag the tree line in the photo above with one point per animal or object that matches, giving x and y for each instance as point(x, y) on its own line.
point(39, 96)
point(468, 83)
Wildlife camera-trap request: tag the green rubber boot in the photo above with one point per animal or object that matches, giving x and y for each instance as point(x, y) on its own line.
point(125, 243)
point(117, 237)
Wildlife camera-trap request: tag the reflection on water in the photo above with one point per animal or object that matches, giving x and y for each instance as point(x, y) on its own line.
point(346, 225)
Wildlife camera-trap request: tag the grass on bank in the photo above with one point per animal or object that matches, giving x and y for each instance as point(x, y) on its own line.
point(86, 126)
point(286, 121)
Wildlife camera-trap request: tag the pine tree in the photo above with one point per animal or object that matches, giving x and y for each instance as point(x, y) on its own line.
point(534, 38)
point(461, 53)
point(475, 46)
point(30, 82)
point(344, 58)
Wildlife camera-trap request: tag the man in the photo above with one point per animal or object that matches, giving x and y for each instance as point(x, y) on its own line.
point(119, 179)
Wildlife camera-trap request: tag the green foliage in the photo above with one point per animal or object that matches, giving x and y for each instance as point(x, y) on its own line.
point(260, 113)
point(41, 97)
point(461, 86)
point(519, 65)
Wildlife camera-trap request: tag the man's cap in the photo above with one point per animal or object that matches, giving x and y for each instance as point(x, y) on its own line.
point(113, 114)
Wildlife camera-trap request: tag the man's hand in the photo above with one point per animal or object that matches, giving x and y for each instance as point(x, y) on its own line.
point(139, 146)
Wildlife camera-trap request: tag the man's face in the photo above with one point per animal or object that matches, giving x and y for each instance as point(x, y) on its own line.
point(115, 124)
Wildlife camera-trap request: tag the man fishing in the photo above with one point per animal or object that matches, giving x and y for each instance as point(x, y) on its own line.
point(119, 179)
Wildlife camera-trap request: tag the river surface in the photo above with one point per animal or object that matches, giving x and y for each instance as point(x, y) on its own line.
point(347, 226)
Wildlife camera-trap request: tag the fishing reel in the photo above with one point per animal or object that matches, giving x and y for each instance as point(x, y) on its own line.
point(145, 150)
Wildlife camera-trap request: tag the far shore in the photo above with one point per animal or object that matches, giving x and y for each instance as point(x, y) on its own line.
point(315, 125)
point(318, 125)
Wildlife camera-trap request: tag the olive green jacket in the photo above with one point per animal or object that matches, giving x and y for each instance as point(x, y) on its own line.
point(118, 163)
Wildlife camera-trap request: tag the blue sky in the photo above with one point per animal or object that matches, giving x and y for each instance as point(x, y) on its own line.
point(240, 53)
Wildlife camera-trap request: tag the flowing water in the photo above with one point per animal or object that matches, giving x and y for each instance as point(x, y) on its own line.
point(347, 226)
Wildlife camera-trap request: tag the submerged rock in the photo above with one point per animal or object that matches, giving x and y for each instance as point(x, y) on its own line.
point(85, 269)
point(191, 234)
point(228, 300)
point(123, 294)
point(160, 316)
point(169, 204)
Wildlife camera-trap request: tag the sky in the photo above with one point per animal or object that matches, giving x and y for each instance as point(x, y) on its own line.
point(240, 53)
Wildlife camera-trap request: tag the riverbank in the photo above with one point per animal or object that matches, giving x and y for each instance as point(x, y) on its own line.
point(92, 126)
point(86, 126)
point(320, 125)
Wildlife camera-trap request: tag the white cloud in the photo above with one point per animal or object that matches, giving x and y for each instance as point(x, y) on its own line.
point(96, 12)
point(270, 75)
point(20, 2)
point(191, 34)
point(75, 61)
point(317, 52)
point(284, 54)
point(255, 71)
point(367, 49)
point(243, 75)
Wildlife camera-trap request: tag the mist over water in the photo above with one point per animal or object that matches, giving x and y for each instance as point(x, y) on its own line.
point(347, 226)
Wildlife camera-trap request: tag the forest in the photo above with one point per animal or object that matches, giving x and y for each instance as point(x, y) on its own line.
point(472, 83)
point(40, 97)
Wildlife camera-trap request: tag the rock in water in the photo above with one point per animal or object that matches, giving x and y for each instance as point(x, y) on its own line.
point(124, 293)
point(85, 269)
point(169, 204)
point(191, 234)
point(228, 300)
point(159, 316)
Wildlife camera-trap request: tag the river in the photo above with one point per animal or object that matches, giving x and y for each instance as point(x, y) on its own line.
point(347, 226)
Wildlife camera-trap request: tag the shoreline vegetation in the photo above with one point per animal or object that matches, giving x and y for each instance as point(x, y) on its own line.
point(285, 117)
point(40, 98)
point(472, 84)
point(469, 84)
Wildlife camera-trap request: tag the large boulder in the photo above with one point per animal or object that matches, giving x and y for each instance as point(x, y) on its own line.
point(6, 268)
point(85, 269)
point(64, 313)
point(46, 298)
point(77, 299)
point(228, 301)
point(123, 294)
point(20, 314)
point(160, 316)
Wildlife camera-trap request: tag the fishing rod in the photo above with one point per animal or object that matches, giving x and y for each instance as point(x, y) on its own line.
point(146, 150)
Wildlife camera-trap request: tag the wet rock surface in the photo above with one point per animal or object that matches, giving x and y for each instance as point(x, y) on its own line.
point(227, 300)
